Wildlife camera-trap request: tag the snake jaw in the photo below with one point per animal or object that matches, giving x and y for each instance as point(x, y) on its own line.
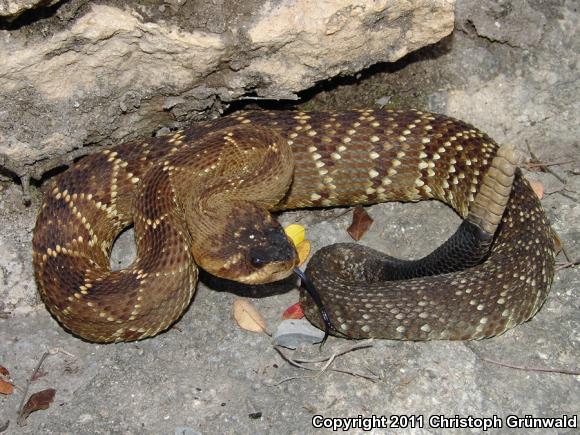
point(272, 272)
point(238, 268)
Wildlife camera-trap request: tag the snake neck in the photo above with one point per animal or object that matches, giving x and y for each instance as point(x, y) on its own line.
point(467, 247)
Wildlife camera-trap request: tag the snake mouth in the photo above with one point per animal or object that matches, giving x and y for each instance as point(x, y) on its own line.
point(271, 272)
point(240, 270)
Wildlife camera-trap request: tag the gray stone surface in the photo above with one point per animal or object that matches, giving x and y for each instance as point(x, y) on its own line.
point(208, 376)
point(294, 333)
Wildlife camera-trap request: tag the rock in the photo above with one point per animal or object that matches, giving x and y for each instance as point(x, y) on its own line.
point(293, 333)
point(177, 381)
point(104, 74)
point(515, 23)
point(13, 9)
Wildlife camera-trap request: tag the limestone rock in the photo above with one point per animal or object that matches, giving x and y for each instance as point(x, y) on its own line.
point(109, 73)
point(511, 22)
point(10, 9)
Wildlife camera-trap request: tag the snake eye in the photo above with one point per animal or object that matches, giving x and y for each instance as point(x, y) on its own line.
point(257, 262)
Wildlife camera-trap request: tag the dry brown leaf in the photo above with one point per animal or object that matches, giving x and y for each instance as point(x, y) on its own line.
point(248, 317)
point(361, 222)
point(38, 374)
point(37, 401)
point(538, 188)
point(4, 371)
point(6, 387)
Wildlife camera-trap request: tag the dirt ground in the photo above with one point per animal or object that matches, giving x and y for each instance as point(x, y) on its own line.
point(206, 375)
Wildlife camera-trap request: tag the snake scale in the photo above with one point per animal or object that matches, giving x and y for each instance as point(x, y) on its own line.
point(202, 197)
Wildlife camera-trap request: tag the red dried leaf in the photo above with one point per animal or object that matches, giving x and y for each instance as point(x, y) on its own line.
point(37, 401)
point(293, 312)
point(6, 388)
point(4, 371)
point(361, 222)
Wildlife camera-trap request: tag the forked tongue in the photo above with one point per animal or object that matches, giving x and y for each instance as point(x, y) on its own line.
point(307, 284)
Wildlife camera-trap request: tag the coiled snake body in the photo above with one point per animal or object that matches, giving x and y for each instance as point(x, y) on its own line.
point(200, 197)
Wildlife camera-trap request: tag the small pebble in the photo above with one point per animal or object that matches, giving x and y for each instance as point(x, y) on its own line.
point(294, 332)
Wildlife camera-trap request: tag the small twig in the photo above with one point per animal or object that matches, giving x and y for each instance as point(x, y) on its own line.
point(290, 378)
point(45, 355)
point(328, 360)
point(565, 252)
point(543, 167)
point(29, 381)
point(567, 265)
point(339, 215)
point(562, 191)
point(341, 351)
point(532, 369)
point(328, 363)
point(331, 218)
point(292, 361)
point(539, 164)
point(372, 377)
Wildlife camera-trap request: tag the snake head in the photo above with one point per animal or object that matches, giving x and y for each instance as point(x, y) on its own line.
point(252, 248)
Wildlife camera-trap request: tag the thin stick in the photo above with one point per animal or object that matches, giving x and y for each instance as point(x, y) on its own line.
point(290, 361)
point(567, 265)
point(290, 378)
point(533, 369)
point(565, 252)
point(328, 363)
point(341, 214)
point(45, 355)
point(546, 164)
point(372, 377)
point(562, 191)
point(300, 363)
point(341, 351)
point(543, 167)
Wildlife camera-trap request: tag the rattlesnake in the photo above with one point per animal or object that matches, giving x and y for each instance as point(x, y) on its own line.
point(198, 197)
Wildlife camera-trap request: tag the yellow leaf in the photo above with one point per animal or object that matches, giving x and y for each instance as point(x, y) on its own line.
point(296, 233)
point(248, 317)
point(303, 250)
